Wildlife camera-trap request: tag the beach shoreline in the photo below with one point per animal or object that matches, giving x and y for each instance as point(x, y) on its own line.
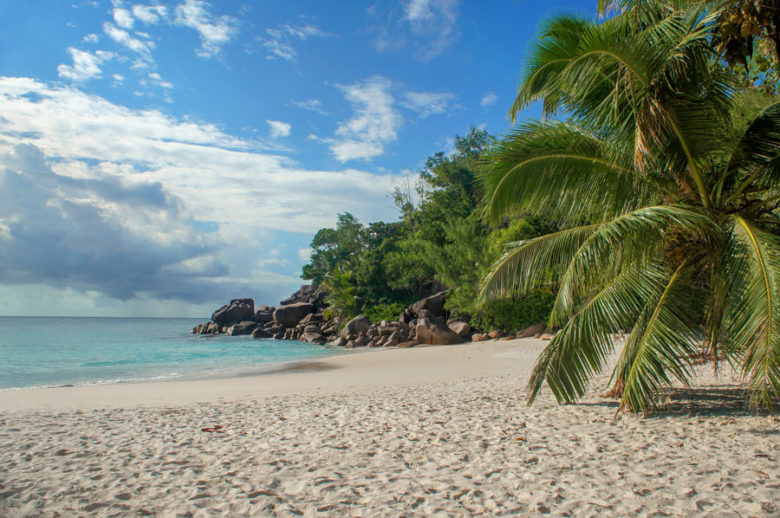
point(442, 429)
point(363, 367)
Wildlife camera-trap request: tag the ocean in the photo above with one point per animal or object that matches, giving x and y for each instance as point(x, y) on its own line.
point(53, 352)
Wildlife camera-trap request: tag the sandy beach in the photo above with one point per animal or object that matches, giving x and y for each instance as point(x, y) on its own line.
point(424, 431)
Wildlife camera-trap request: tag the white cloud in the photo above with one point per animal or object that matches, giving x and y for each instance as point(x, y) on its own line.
point(417, 10)
point(429, 103)
point(489, 99)
point(275, 48)
point(214, 31)
point(375, 121)
point(158, 80)
point(279, 128)
point(90, 38)
point(86, 65)
point(149, 14)
point(173, 196)
point(123, 18)
point(429, 26)
point(305, 254)
point(118, 77)
point(313, 105)
point(144, 48)
point(202, 164)
point(278, 42)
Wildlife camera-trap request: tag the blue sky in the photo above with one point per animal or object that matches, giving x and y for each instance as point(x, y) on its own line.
point(157, 159)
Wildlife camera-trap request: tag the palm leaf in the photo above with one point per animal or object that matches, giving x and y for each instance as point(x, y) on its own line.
point(527, 264)
point(757, 153)
point(628, 239)
point(753, 308)
point(581, 347)
point(559, 170)
point(663, 341)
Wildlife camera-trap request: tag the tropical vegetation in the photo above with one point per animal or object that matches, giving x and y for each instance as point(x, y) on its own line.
point(661, 164)
point(440, 242)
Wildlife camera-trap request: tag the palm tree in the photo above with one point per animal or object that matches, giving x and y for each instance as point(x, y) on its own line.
point(670, 202)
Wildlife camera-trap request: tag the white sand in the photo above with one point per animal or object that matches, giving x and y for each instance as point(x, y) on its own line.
point(402, 432)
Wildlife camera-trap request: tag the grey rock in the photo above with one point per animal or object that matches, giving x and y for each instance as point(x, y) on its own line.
point(462, 329)
point(434, 304)
point(242, 328)
point(237, 311)
point(290, 315)
point(432, 330)
point(357, 325)
point(261, 333)
point(533, 330)
point(339, 342)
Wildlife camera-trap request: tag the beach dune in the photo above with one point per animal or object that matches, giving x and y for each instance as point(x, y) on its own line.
point(398, 432)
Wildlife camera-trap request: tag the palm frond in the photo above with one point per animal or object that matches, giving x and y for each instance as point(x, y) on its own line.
point(581, 347)
point(623, 241)
point(560, 170)
point(756, 157)
point(527, 264)
point(662, 342)
point(753, 308)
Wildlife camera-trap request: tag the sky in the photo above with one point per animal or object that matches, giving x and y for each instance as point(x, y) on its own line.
point(160, 159)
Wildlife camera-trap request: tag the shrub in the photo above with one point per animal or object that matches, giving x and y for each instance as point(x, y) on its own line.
point(384, 312)
point(513, 314)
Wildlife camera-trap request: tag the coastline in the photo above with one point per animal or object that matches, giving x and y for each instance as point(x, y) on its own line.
point(360, 368)
point(441, 429)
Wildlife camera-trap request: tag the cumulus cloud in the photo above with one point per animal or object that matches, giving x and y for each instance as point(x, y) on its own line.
point(172, 198)
point(429, 26)
point(150, 14)
point(489, 99)
point(214, 31)
point(90, 38)
point(279, 128)
point(86, 65)
point(376, 117)
point(375, 121)
point(123, 18)
point(70, 232)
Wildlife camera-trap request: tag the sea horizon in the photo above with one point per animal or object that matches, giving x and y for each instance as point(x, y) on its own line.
point(75, 351)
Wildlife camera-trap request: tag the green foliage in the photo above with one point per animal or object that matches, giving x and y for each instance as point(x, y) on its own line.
point(384, 312)
point(441, 240)
point(341, 293)
point(668, 185)
point(511, 315)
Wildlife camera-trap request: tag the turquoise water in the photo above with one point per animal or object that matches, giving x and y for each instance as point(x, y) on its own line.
point(45, 352)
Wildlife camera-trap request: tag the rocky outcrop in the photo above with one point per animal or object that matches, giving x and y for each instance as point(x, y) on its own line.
point(261, 333)
point(301, 317)
point(313, 334)
point(432, 330)
point(356, 326)
point(308, 294)
point(462, 329)
point(289, 315)
point(534, 330)
point(206, 328)
point(235, 312)
point(242, 328)
point(263, 314)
